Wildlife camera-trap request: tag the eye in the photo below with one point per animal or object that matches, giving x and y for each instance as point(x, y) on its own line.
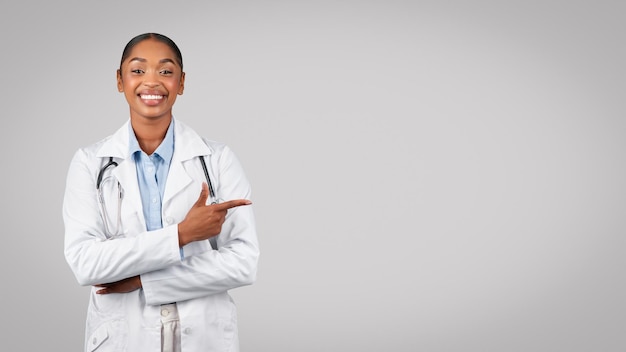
point(137, 71)
point(166, 72)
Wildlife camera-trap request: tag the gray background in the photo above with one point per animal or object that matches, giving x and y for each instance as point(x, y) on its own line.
point(427, 175)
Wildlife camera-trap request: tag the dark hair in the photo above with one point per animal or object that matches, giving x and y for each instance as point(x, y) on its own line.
point(156, 36)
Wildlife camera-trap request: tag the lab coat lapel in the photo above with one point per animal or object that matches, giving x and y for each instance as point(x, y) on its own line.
point(177, 179)
point(187, 146)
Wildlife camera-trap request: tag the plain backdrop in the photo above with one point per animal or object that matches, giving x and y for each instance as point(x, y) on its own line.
point(438, 176)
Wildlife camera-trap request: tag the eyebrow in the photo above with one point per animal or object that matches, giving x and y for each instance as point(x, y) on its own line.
point(162, 61)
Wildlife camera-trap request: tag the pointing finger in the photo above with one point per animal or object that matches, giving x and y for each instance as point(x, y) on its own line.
point(232, 204)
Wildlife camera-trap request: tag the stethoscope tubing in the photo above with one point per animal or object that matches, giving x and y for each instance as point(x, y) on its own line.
point(208, 180)
point(101, 173)
point(105, 215)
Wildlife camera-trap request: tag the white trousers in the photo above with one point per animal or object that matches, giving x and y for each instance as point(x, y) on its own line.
point(170, 328)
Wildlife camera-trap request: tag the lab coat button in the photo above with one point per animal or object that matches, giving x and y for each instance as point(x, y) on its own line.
point(94, 341)
point(169, 220)
point(165, 312)
point(187, 331)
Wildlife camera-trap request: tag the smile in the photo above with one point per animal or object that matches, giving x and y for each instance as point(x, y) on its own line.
point(150, 97)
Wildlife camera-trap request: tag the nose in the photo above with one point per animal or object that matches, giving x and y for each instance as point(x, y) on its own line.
point(151, 84)
point(151, 79)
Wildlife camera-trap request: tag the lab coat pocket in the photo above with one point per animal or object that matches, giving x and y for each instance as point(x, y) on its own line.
point(110, 336)
point(97, 338)
point(228, 326)
point(132, 222)
point(107, 326)
point(228, 329)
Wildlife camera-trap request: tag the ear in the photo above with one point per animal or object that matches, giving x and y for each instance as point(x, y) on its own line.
point(120, 85)
point(181, 87)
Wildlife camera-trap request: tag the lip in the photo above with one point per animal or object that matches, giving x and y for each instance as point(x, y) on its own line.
point(151, 98)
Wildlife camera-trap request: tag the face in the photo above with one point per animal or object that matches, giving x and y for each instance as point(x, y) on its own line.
point(150, 79)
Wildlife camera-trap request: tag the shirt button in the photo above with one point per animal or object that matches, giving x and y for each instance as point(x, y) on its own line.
point(164, 312)
point(154, 200)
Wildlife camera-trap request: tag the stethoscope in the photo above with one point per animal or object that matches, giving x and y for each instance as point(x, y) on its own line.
point(120, 195)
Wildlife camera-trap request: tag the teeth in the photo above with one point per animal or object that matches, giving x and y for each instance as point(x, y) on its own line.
point(151, 97)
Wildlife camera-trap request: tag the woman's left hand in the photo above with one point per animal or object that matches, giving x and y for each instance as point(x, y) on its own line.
point(122, 286)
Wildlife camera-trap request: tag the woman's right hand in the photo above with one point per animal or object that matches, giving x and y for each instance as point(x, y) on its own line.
point(205, 221)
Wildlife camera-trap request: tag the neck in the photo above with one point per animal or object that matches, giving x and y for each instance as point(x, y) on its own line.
point(150, 133)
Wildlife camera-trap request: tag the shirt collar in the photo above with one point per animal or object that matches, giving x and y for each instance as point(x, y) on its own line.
point(165, 150)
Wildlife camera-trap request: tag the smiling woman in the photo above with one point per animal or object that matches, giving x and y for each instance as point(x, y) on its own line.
point(150, 76)
point(159, 280)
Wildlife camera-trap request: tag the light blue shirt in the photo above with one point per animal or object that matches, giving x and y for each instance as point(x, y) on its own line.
point(152, 173)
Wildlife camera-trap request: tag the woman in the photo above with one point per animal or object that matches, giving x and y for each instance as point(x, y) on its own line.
point(143, 225)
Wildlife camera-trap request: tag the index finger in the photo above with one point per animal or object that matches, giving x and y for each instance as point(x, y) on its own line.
point(231, 204)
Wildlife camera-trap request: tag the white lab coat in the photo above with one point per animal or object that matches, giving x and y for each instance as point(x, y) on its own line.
point(198, 282)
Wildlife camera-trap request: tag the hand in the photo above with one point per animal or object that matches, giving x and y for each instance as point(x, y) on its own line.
point(122, 286)
point(205, 221)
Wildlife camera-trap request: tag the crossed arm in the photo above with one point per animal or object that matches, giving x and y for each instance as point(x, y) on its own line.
point(201, 223)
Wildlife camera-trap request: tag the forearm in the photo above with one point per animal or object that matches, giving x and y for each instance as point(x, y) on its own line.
point(98, 262)
point(200, 275)
point(205, 271)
